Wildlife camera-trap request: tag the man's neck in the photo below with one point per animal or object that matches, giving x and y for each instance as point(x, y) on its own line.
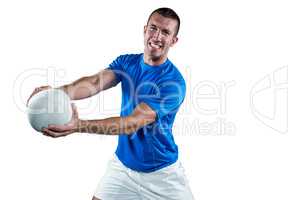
point(148, 60)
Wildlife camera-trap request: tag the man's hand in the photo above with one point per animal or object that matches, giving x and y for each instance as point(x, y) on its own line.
point(66, 129)
point(36, 90)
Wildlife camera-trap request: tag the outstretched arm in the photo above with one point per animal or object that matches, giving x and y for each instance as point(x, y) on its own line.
point(90, 85)
point(141, 116)
point(86, 86)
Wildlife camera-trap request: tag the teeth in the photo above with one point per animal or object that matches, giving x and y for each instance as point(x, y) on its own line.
point(155, 45)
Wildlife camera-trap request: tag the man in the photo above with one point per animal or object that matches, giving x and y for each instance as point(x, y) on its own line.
point(145, 164)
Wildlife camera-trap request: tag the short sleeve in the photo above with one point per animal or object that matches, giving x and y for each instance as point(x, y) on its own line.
point(117, 67)
point(167, 99)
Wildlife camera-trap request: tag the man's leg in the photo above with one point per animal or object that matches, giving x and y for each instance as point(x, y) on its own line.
point(167, 183)
point(116, 183)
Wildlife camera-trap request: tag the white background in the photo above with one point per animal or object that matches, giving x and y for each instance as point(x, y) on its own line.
point(234, 139)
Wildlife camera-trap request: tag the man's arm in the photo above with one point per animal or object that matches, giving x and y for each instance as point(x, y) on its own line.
point(141, 116)
point(88, 86)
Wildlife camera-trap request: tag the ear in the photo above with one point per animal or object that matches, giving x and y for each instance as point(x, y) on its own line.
point(174, 40)
point(145, 29)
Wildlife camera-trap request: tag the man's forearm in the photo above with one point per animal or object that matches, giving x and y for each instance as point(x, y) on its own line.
point(81, 88)
point(109, 126)
point(90, 85)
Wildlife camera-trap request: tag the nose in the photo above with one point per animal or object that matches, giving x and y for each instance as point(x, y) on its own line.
point(157, 35)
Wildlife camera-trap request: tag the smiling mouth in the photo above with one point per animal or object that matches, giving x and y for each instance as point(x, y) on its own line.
point(155, 46)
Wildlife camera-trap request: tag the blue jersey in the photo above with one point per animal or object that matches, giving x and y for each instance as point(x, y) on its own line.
point(163, 89)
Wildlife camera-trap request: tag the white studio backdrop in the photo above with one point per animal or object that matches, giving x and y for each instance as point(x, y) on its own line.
point(237, 130)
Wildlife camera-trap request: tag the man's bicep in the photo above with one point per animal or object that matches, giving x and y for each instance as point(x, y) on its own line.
point(106, 79)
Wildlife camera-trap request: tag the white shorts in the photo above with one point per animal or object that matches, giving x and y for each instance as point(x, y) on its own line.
point(122, 183)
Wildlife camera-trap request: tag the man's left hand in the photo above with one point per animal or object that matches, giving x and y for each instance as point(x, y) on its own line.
point(66, 129)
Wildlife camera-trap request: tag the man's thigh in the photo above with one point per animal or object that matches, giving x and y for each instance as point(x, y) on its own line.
point(167, 183)
point(117, 183)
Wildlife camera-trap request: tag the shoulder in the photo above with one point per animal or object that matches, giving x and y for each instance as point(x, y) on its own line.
point(125, 61)
point(172, 82)
point(128, 58)
point(172, 73)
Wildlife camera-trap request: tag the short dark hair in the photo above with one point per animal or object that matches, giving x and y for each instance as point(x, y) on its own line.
point(169, 13)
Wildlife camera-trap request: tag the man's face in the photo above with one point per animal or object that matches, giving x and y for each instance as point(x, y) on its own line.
point(159, 36)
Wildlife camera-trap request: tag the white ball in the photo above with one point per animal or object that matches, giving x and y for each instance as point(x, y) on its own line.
point(51, 106)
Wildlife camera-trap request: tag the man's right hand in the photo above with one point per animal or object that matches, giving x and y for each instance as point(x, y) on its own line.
point(36, 90)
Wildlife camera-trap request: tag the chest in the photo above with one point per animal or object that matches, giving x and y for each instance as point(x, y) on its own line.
point(142, 82)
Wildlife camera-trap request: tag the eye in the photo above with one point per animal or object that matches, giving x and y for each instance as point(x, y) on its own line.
point(165, 32)
point(152, 28)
